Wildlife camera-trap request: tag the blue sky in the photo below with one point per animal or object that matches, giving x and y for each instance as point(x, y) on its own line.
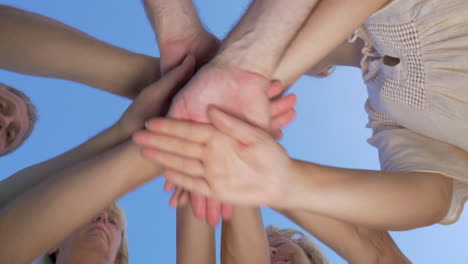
point(329, 128)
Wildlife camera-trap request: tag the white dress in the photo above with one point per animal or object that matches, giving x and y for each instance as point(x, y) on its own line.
point(418, 108)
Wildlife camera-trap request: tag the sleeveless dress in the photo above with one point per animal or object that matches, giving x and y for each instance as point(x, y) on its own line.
point(415, 66)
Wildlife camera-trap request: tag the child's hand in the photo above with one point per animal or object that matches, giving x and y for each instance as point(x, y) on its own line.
point(232, 161)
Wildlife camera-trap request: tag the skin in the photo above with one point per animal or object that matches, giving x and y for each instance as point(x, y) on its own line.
point(59, 53)
point(246, 59)
point(14, 121)
point(97, 172)
point(87, 179)
point(284, 250)
point(97, 241)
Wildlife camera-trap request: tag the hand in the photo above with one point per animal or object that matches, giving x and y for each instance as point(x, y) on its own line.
point(234, 90)
point(240, 163)
point(155, 99)
point(198, 43)
point(282, 112)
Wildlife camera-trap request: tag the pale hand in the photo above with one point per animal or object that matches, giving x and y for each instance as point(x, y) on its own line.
point(232, 161)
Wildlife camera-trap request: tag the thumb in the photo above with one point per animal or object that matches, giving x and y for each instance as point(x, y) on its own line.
point(231, 126)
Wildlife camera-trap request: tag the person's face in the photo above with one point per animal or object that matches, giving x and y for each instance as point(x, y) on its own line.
point(285, 251)
point(101, 236)
point(14, 121)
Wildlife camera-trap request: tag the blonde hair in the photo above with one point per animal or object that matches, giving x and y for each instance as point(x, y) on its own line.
point(312, 251)
point(122, 254)
point(31, 109)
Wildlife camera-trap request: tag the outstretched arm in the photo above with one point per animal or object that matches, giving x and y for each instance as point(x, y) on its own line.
point(60, 51)
point(356, 244)
point(71, 188)
point(321, 33)
point(153, 101)
point(244, 239)
point(243, 164)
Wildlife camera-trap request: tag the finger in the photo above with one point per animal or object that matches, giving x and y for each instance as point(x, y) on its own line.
point(184, 198)
point(175, 162)
point(188, 183)
point(169, 144)
point(213, 211)
point(233, 127)
point(226, 211)
point(173, 202)
point(277, 134)
point(282, 104)
point(282, 120)
point(168, 186)
point(198, 203)
point(274, 89)
point(191, 131)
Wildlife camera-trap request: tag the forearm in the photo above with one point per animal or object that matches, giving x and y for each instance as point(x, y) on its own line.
point(23, 180)
point(328, 26)
point(354, 243)
point(195, 239)
point(244, 239)
point(376, 199)
point(172, 19)
point(259, 40)
point(88, 187)
point(60, 51)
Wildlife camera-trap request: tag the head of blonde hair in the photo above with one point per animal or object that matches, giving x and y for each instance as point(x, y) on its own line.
point(312, 251)
point(30, 107)
point(122, 254)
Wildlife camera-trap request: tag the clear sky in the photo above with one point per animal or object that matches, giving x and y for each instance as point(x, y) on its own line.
point(329, 128)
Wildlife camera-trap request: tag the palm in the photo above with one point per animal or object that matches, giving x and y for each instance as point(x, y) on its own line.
point(246, 173)
point(238, 92)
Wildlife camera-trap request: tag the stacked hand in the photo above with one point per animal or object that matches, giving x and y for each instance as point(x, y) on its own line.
point(230, 160)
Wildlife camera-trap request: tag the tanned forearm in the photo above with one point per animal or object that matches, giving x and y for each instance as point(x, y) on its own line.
point(85, 189)
point(23, 180)
point(195, 239)
point(60, 51)
point(243, 238)
point(259, 40)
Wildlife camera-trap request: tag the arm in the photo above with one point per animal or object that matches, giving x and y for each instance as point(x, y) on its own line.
point(60, 51)
point(87, 187)
point(244, 239)
point(356, 244)
point(259, 40)
point(314, 40)
point(243, 164)
point(87, 182)
point(179, 32)
point(195, 239)
point(144, 107)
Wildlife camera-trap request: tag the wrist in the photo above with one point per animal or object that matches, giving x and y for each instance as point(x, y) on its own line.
point(288, 196)
point(242, 58)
